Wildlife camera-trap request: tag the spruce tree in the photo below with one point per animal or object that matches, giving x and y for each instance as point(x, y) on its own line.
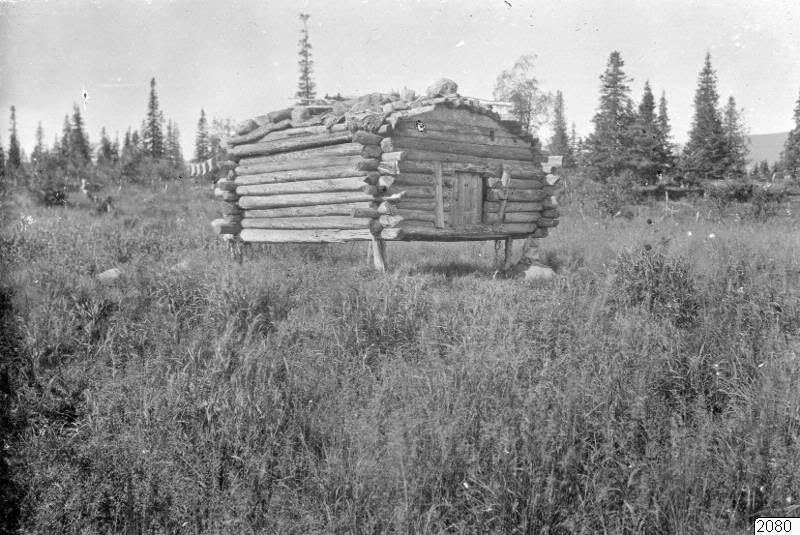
point(645, 138)
point(560, 143)
point(152, 133)
point(306, 86)
point(40, 150)
point(64, 148)
point(736, 149)
point(665, 157)
point(705, 155)
point(791, 148)
point(201, 144)
point(104, 152)
point(14, 155)
point(80, 152)
point(609, 146)
point(2, 165)
point(177, 152)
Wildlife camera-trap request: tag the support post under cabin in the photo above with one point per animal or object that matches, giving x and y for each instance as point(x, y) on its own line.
point(379, 253)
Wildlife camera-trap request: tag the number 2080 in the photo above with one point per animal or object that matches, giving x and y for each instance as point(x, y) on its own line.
point(775, 525)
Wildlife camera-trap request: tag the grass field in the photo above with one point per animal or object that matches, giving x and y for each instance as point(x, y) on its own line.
point(644, 390)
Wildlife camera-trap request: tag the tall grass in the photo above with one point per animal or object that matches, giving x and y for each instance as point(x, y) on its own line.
point(650, 388)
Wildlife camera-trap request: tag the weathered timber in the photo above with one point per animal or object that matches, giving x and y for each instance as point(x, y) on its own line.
point(352, 183)
point(228, 196)
point(266, 148)
point(226, 185)
point(232, 175)
point(540, 232)
point(422, 215)
point(227, 165)
point(438, 127)
point(551, 202)
point(371, 151)
point(420, 204)
point(301, 158)
point(448, 168)
point(367, 164)
point(432, 156)
point(547, 222)
point(515, 183)
point(303, 131)
point(296, 175)
point(511, 217)
point(496, 140)
point(366, 138)
point(552, 179)
point(387, 208)
point(426, 192)
point(461, 117)
point(225, 226)
point(513, 207)
point(343, 209)
point(425, 233)
point(388, 221)
point(378, 248)
point(417, 179)
point(320, 222)
point(312, 236)
point(231, 208)
point(438, 193)
point(371, 213)
point(257, 134)
point(550, 213)
point(395, 197)
point(386, 181)
point(385, 129)
point(302, 199)
point(396, 144)
point(505, 179)
point(517, 195)
point(392, 156)
point(246, 127)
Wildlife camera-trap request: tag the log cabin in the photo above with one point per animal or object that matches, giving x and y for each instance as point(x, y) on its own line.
point(384, 168)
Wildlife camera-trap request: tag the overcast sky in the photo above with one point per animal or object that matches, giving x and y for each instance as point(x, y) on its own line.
point(238, 58)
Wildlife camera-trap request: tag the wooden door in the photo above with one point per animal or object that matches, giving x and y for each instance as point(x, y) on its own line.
point(466, 206)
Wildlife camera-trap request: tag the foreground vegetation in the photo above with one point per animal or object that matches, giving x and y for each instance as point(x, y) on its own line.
point(651, 388)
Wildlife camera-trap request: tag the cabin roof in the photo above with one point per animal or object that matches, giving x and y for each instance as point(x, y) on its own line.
point(370, 112)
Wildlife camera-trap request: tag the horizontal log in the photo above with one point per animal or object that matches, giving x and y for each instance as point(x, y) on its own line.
point(419, 204)
point(302, 199)
point(547, 222)
point(256, 134)
point(366, 138)
point(226, 185)
point(304, 236)
point(385, 129)
point(371, 151)
point(227, 165)
point(496, 137)
point(551, 202)
point(297, 175)
point(367, 164)
point(453, 128)
point(433, 156)
point(387, 208)
point(397, 143)
point(427, 167)
point(551, 213)
point(540, 232)
point(321, 222)
point(303, 131)
point(486, 232)
point(386, 181)
point(514, 183)
point(513, 207)
point(232, 174)
point(228, 196)
point(371, 213)
point(418, 215)
point(224, 226)
point(395, 197)
point(352, 183)
point(388, 221)
point(414, 191)
point(343, 209)
point(552, 179)
point(516, 195)
point(298, 160)
point(232, 208)
point(392, 156)
point(266, 148)
point(512, 217)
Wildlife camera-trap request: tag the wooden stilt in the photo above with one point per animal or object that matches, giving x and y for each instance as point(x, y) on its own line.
point(379, 253)
point(507, 251)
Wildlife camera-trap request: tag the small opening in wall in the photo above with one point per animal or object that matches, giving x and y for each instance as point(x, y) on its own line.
point(491, 135)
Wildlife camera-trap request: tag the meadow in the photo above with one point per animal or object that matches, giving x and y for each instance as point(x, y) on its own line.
point(651, 387)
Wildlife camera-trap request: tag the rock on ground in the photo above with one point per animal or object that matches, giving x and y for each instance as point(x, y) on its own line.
point(109, 275)
point(539, 272)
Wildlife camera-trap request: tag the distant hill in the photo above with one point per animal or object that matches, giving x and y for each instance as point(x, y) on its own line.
point(767, 147)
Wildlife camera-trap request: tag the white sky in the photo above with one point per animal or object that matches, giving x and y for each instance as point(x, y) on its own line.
point(239, 58)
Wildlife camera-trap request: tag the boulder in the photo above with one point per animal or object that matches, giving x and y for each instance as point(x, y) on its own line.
point(539, 272)
point(109, 275)
point(442, 87)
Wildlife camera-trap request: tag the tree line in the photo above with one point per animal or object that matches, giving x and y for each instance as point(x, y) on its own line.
point(634, 140)
point(148, 154)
